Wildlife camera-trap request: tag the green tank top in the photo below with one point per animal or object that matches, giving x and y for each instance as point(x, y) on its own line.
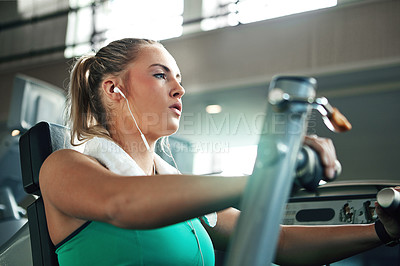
point(97, 243)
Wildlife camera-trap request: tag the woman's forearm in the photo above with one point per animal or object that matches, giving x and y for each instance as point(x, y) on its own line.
point(156, 201)
point(316, 245)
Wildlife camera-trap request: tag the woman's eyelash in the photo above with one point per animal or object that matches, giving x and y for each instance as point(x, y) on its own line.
point(160, 75)
point(163, 76)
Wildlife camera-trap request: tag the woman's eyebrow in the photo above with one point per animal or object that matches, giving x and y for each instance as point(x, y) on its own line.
point(166, 69)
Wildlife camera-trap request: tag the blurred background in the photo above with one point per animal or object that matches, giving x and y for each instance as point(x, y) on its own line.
point(228, 51)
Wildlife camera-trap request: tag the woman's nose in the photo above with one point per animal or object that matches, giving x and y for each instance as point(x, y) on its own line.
point(178, 91)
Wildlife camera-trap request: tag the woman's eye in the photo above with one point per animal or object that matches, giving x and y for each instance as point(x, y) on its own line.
point(160, 76)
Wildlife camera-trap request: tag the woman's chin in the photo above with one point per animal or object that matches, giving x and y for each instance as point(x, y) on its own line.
point(171, 129)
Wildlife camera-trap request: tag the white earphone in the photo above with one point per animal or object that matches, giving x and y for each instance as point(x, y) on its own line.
point(117, 90)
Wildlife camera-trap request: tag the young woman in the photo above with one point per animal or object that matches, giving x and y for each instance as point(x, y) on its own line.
point(118, 203)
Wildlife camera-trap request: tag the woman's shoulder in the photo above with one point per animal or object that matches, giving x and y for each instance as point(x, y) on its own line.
point(64, 155)
point(64, 160)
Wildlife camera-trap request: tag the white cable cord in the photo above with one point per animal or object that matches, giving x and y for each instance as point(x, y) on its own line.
point(197, 239)
point(134, 120)
point(191, 224)
point(171, 156)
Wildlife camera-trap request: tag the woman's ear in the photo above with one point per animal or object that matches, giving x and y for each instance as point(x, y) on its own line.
point(108, 89)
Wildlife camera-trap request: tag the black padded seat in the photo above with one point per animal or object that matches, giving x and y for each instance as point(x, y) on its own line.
point(35, 146)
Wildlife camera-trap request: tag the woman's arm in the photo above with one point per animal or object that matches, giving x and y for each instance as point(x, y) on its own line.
point(223, 230)
point(78, 186)
point(316, 245)
point(304, 245)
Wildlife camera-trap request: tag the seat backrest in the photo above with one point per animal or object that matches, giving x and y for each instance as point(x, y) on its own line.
point(35, 146)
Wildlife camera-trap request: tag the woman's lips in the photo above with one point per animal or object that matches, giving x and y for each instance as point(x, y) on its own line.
point(176, 108)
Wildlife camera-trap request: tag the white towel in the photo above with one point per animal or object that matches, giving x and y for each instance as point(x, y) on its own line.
point(118, 161)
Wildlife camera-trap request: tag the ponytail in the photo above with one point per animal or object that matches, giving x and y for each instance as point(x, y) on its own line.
point(87, 114)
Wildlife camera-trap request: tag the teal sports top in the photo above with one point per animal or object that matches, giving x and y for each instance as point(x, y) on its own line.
point(97, 243)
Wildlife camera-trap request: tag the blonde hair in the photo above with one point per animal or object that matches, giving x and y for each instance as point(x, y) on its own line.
point(87, 115)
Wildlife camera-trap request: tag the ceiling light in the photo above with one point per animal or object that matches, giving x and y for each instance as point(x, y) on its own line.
point(213, 109)
point(15, 132)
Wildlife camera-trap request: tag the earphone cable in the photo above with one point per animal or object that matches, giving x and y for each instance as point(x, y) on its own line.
point(197, 240)
point(134, 120)
point(171, 156)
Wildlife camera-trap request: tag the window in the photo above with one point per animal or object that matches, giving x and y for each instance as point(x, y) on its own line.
point(95, 23)
point(153, 19)
point(219, 158)
point(91, 23)
point(223, 13)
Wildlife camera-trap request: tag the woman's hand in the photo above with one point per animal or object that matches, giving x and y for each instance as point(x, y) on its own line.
point(324, 147)
point(391, 221)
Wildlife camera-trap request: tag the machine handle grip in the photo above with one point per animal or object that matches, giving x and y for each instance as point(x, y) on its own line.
point(309, 169)
point(339, 121)
point(389, 199)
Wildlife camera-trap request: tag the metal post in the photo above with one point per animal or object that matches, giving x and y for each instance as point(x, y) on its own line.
point(265, 197)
